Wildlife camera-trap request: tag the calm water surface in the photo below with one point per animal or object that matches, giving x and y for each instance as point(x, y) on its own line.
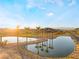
point(59, 47)
point(14, 39)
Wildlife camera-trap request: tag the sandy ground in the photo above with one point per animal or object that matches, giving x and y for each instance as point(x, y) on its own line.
point(7, 53)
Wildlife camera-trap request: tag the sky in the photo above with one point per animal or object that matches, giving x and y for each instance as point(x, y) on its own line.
point(44, 13)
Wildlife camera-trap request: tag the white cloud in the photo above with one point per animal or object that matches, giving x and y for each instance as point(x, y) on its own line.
point(71, 2)
point(56, 2)
point(59, 2)
point(29, 6)
point(32, 3)
point(9, 18)
point(50, 14)
point(40, 5)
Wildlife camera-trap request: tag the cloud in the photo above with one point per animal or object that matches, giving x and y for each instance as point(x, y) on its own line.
point(30, 4)
point(50, 14)
point(35, 4)
point(9, 17)
point(56, 2)
point(59, 2)
point(71, 2)
point(41, 5)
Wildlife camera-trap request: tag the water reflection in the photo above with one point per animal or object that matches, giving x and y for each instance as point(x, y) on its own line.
point(61, 46)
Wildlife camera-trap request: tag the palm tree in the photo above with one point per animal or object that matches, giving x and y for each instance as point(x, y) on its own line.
point(0, 38)
point(37, 30)
point(26, 30)
point(49, 33)
point(17, 29)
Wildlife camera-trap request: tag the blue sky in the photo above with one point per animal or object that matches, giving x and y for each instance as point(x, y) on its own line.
point(44, 13)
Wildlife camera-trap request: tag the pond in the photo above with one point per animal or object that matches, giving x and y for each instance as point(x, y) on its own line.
point(62, 46)
point(58, 47)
